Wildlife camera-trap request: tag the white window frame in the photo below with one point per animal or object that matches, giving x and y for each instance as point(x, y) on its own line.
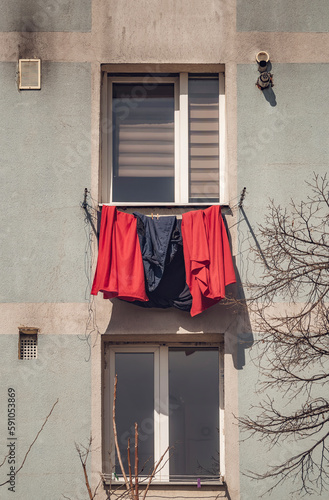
point(161, 415)
point(181, 141)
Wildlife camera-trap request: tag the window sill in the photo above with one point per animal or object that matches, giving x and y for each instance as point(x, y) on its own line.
point(219, 481)
point(162, 204)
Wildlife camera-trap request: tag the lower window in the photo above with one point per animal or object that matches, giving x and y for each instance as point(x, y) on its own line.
point(174, 395)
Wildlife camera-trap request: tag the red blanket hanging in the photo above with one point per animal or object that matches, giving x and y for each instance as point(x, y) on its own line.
point(119, 271)
point(207, 254)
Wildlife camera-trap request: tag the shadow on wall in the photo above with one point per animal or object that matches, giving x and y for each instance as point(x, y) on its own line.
point(268, 92)
point(228, 319)
point(244, 335)
point(270, 96)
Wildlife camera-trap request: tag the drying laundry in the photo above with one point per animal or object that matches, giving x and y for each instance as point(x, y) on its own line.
point(162, 251)
point(119, 271)
point(164, 262)
point(208, 259)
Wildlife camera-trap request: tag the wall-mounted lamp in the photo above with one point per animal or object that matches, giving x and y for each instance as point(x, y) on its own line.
point(265, 78)
point(29, 74)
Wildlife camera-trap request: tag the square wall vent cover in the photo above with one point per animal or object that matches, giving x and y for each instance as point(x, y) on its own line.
point(28, 345)
point(29, 74)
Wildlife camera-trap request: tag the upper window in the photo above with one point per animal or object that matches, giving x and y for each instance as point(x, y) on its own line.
point(164, 139)
point(174, 394)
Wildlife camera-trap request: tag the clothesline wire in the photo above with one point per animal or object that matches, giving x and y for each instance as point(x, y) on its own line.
point(95, 207)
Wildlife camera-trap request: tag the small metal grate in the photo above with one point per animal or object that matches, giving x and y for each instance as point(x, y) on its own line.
point(28, 346)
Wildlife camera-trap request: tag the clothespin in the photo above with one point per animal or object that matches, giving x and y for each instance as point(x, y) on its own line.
point(157, 216)
point(198, 483)
point(152, 215)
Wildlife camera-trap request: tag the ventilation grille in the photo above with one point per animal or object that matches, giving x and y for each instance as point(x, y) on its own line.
point(28, 346)
point(29, 74)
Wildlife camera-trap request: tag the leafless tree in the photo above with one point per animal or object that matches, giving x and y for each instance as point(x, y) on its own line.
point(290, 304)
point(130, 487)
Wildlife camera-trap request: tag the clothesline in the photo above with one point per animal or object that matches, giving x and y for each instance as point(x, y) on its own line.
point(127, 257)
point(230, 205)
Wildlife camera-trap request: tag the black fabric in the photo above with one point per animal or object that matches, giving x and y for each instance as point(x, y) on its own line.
point(154, 238)
point(162, 251)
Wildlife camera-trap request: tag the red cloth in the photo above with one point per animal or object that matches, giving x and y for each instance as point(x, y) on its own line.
point(207, 254)
point(119, 271)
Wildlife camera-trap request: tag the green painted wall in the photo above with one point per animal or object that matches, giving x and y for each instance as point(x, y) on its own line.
point(62, 371)
point(45, 166)
point(48, 15)
point(255, 456)
point(279, 148)
point(283, 15)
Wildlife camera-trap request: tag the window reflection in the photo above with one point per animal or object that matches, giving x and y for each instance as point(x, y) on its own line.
point(135, 403)
point(194, 414)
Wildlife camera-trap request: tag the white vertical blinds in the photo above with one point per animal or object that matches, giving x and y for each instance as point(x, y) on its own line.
point(204, 139)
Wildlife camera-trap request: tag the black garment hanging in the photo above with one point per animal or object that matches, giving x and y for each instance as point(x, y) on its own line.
point(162, 252)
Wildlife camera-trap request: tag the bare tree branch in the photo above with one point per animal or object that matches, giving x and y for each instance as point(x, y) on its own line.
point(116, 440)
point(33, 442)
point(4, 459)
point(129, 465)
point(294, 343)
point(156, 467)
point(83, 455)
point(136, 461)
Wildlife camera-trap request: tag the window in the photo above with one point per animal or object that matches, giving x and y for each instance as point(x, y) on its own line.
point(174, 394)
point(163, 139)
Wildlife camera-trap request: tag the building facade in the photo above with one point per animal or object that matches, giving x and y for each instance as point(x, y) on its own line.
point(101, 61)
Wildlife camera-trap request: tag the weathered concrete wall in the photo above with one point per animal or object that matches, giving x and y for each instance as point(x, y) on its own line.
point(62, 371)
point(49, 15)
point(45, 166)
point(163, 30)
point(283, 15)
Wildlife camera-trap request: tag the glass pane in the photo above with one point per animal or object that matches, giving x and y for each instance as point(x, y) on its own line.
point(194, 413)
point(143, 142)
point(135, 403)
point(204, 140)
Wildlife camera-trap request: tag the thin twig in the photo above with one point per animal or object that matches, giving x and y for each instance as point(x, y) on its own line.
point(136, 461)
point(6, 456)
point(83, 463)
point(154, 472)
point(116, 439)
point(34, 440)
point(129, 466)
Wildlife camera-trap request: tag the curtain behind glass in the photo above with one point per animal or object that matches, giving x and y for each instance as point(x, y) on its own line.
point(143, 142)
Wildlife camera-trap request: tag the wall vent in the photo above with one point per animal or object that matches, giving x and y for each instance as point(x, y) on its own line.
point(29, 74)
point(28, 343)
